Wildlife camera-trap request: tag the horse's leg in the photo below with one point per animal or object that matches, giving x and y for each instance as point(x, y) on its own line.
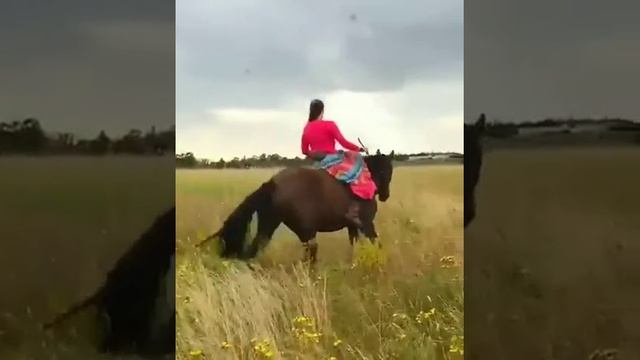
point(268, 222)
point(310, 245)
point(301, 216)
point(373, 237)
point(353, 213)
point(353, 238)
point(369, 210)
point(311, 254)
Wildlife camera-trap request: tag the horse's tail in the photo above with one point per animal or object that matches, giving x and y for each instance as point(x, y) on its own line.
point(91, 300)
point(234, 229)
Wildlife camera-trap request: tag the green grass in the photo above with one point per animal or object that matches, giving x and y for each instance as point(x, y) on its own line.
point(404, 302)
point(64, 222)
point(553, 254)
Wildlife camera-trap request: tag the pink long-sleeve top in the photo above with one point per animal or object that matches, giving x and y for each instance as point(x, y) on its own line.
point(321, 136)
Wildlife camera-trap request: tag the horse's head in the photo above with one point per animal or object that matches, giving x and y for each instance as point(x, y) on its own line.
point(472, 164)
point(473, 135)
point(381, 168)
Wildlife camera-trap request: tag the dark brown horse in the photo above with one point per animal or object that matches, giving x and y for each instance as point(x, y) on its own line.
point(307, 201)
point(472, 165)
point(138, 297)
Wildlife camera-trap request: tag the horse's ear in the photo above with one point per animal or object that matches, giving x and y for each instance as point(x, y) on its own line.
point(480, 124)
point(378, 152)
point(392, 153)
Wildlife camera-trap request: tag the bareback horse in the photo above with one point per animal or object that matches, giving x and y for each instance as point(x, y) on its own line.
point(307, 201)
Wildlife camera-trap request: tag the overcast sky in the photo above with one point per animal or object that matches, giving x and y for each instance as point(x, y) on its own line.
point(526, 60)
point(247, 69)
point(244, 71)
point(84, 66)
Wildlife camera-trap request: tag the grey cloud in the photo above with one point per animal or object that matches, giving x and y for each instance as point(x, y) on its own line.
point(68, 64)
point(528, 60)
point(302, 49)
point(395, 55)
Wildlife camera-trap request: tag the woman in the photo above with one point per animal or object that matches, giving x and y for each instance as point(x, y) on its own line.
point(318, 143)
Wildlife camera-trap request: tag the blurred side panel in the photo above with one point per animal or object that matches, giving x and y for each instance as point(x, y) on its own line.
point(552, 254)
point(87, 178)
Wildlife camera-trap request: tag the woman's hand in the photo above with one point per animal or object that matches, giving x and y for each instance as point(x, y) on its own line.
point(363, 148)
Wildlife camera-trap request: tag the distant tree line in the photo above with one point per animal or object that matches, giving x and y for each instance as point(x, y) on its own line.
point(500, 129)
point(28, 137)
point(189, 160)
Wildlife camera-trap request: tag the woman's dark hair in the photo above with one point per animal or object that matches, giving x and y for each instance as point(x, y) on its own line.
point(315, 109)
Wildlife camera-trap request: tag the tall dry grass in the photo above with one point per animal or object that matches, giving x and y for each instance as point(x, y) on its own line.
point(64, 221)
point(404, 302)
point(552, 256)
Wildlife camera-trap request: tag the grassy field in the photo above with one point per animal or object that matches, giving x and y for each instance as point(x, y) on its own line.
point(404, 302)
point(552, 268)
point(63, 224)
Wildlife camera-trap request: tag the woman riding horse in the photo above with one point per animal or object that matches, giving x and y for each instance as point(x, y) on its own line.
point(318, 143)
point(309, 201)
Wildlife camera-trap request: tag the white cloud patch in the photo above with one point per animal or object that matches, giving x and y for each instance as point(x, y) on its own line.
point(390, 120)
point(240, 116)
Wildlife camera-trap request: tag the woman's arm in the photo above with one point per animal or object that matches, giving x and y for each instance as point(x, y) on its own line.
point(341, 140)
point(304, 145)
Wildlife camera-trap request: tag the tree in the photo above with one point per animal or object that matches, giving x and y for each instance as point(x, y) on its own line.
point(187, 160)
point(28, 137)
point(100, 145)
point(132, 143)
point(31, 137)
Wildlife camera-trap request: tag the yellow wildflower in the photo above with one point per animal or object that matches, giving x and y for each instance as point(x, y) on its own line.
point(196, 353)
point(303, 321)
point(422, 316)
point(457, 345)
point(313, 337)
point(447, 261)
point(303, 328)
point(263, 349)
point(225, 345)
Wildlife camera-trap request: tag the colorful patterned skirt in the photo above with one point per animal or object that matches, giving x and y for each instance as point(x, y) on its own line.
point(349, 167)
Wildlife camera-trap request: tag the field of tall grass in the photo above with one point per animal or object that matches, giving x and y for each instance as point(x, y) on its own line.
point(552, 258)
point(402, 302)
point(63, 224)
